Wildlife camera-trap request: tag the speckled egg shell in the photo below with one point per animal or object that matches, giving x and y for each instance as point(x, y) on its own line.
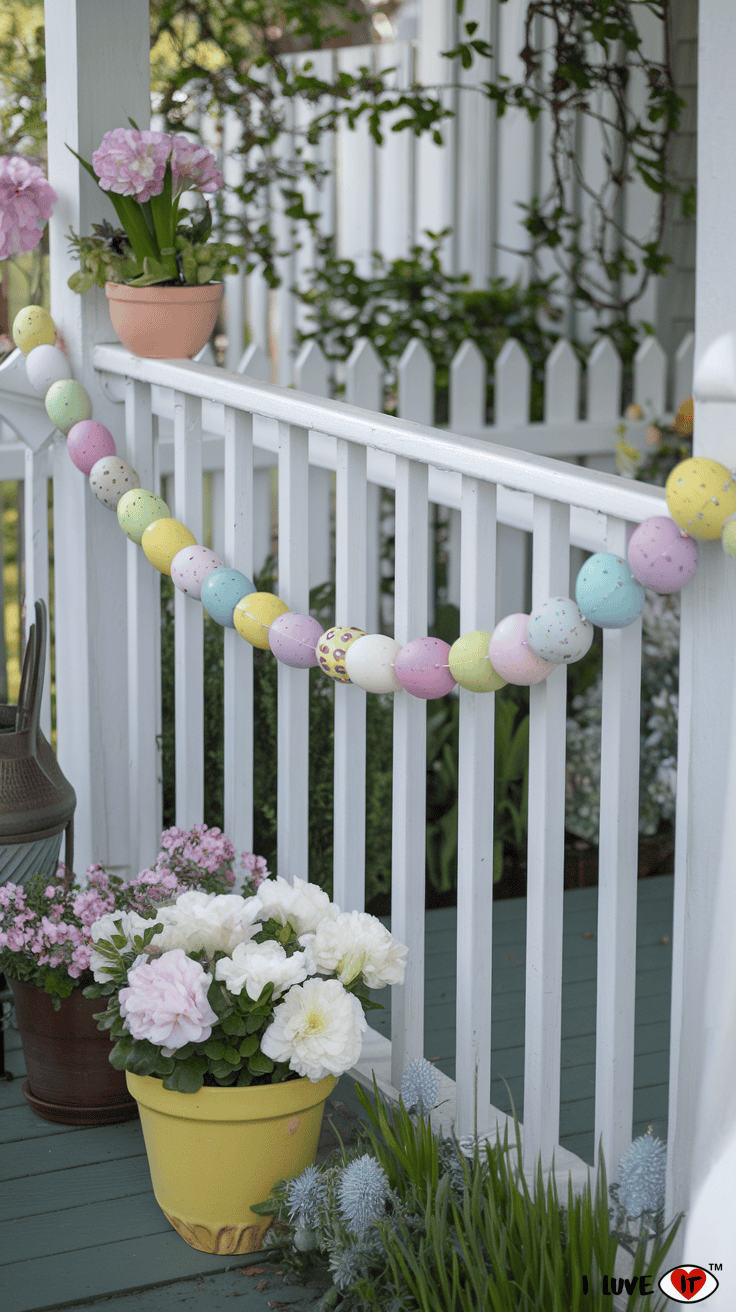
point(701, 494)
point(221, 592)
point(110, 478)
point(512, 657)
point(558, 632)
point(728, 536)
point(87, 442)
point(45, 365)
point(33, 326)
point(293, 637)
point(162, 539)
point(254, 615)
point(137, 509)
point(421, 667)
point(369, 663)
point(470, 664)
point(661, 556)
point(332, 648)
point(191, 566)
point(607, 592)
point(67, 404)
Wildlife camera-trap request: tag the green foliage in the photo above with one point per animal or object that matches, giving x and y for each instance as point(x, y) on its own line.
point(109, 257)
point(22, 79)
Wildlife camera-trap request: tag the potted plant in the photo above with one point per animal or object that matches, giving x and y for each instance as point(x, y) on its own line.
point(233, 1017)
point(46, 946)
point(161, 271)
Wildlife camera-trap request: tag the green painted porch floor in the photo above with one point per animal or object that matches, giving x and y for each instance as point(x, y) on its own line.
point(79, 1226)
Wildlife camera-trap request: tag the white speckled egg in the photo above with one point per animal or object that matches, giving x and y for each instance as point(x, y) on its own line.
point(137, 509)
point(46, 365)
point(557, 632)
point(191, 566)
point(67, 404)
point(369, 663)
point(110, 478)
point(33, 326)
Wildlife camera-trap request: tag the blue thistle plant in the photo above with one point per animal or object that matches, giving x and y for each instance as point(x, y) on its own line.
point(362, 1192)
point(304, 1196)
point(420, 1091)
point(347, 1266)
point(641, 1176)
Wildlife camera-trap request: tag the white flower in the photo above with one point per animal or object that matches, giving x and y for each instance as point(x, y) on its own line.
point(208, 921)
point(128, 923)
point(253, 965)
point(318, 1028)
point(303, 906)
point(355, 943)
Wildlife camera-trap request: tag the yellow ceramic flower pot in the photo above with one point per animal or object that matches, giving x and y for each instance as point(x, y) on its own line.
point(214, 1153)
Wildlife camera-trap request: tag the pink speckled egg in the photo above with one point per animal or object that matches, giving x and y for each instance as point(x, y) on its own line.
point(87, 442)
point(422, 668)
point(293, 637)
point(191, 566)
point(512, 657)
point(661, 556)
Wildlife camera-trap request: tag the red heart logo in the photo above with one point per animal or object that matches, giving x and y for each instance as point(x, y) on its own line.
point(688, 1282)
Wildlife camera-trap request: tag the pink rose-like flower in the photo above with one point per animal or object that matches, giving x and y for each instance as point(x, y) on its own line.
point(132, 163)
point(26, 202)
point(193, 167)
point(166, 1001)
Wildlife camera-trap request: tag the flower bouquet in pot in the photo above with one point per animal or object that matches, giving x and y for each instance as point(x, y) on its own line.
point(161, 270)
point(46, 949)
point(233, 1018)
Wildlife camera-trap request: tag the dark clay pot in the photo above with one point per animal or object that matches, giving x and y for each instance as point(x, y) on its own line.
point(70, 1079)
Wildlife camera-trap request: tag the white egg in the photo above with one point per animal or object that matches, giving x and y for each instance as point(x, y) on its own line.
point(110, 478)
point(46, 365)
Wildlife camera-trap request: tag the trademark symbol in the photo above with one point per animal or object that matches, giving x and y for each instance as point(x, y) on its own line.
point(716, 1266)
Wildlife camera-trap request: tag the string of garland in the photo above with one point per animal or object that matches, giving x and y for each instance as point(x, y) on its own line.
point(522, 649)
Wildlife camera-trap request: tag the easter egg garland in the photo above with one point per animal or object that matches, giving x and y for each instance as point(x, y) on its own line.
point(523, 649)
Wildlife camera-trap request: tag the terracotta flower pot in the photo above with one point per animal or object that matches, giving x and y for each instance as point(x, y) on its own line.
point(70, 1079)
point(164, 323)
point(214, 1153)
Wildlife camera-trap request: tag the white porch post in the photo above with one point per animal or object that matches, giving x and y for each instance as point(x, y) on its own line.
point(707, 658)
point(97, 74)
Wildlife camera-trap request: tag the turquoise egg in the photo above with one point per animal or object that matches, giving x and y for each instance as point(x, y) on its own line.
point(67, 404)
point(137, 509)
point(607, 592)
point(221, 592)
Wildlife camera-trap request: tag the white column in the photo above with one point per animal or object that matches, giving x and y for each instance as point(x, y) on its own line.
point(96, 76)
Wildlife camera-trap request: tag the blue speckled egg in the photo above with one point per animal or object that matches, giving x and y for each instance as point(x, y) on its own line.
point(607, 592)
point(221, 592)
point(558, 632)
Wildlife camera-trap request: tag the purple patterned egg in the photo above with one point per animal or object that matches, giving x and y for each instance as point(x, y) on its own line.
point(191, 566)
point(422, 668)
point(331, 650)
point(87, 442)
point(661, 556)
point(512, 657)
point(293, 637)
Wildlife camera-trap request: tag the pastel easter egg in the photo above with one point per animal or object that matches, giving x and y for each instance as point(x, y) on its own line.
point(67, 404)
point(369, 663)
point(87, 442)
point(661, 556)
point(421, 667)
point(701, 494)
point(558, 632)
point(162, 539)
point(332, 649)
point(191, 566)
point(254, 615)
point(470, 664)
point(512, 657)
point(33, 326)
point(137, 509)
point(220, 593)
point(607, 592)
point(45, 365)
point(293, 637)
point(728, 536)
point(110, 478)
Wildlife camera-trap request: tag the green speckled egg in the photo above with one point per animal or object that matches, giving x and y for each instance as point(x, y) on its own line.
point(33, 326)
point(139, 508)
point(67, 404)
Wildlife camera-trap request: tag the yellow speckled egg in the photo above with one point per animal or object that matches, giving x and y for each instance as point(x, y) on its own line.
point(137, 509)
point(331, 650)
point(254, 615)
point(701, 494)
point(470, 664)
point(67, 404)
point(33, 326)
point(162, 539)
point(728, 536)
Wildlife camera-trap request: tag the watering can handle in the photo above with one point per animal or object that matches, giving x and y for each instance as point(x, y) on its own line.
point(31, 687)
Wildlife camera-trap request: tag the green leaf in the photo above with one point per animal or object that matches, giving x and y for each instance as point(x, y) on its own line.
point(215, 1049)
point(260, 1064)
point(233, 1024)
point(184, 1079)
point(249, 1046)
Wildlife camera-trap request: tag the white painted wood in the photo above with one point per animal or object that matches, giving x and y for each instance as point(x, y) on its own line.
point(373, 552)
point(311, 374)
point(415, 373)
point(188, 620)
point(238, 654)
point(467, 389)
point(617, 876)
point(311, 370)
point(511, 385)
point(356, 169)
point(254, 363)
point(435, 185)
point(545, 855)
point(561, 384)
point(515, 150)
point(475, 133)
point(603, 381)
point(292, 799)
point(641, 204)
point(234, 296)
point(396, 161)
point(683, 370)
point(36, 557)
point(364, 377)
point(650, 378)
point(475, 822)
point(409, 769)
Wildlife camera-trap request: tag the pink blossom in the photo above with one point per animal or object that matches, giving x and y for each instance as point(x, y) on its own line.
point(26, 202)
point(193, 167)
point(132, 163)
point(166, 1001)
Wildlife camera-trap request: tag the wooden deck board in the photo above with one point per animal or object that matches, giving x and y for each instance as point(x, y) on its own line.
point(78, 1221)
